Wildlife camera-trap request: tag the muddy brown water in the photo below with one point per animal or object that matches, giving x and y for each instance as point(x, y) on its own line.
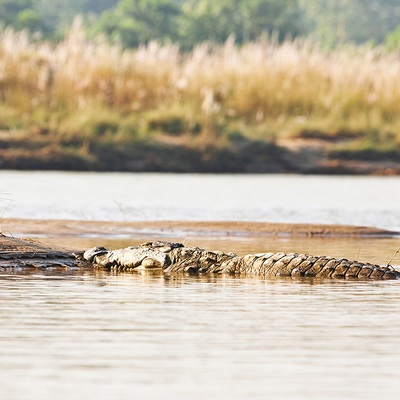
point(94, 334)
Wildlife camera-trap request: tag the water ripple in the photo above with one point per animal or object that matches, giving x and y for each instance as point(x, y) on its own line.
point(127, 335)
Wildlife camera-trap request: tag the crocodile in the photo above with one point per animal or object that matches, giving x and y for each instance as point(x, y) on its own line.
point(176, 258)
point(17, 254)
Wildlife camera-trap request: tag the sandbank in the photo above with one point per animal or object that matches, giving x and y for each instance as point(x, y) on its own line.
point(64, 229)
point(353, 242)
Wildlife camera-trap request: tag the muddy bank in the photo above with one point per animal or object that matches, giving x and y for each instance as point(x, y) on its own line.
point(43, 237)
point(72, 228)
point(296, 155)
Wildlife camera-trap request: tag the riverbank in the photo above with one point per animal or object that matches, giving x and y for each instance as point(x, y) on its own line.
point(263, 107)
point(304, 154)
point(179, 229)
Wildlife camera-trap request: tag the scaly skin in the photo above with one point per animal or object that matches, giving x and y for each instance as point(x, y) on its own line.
point(174, 257)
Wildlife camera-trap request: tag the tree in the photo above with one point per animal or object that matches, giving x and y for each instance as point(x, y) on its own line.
point(95, 6)
point(29, 19)
point(285, 17)
point(193, 21)
point(372, 20)
point(210, 20)
point(59, 14)
point(358, 21)
point(136, 22)
point(21, 14)
point(392, 40)
point(9, 9)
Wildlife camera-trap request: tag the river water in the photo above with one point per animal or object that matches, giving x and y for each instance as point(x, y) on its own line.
point(370, 201)
point(142, 335)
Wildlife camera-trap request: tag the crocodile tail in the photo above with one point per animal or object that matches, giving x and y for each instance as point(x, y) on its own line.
point(304, 265)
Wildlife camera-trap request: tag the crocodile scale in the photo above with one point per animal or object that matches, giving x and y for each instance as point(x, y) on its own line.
point(175, 257)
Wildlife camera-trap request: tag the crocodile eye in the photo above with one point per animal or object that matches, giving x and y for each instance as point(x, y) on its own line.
point(95, 251)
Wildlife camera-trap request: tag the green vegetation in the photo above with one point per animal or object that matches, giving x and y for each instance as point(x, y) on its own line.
point(393, 39)
point(190, 22)
point(335, 22)
point(103, 100)
point(51, 19)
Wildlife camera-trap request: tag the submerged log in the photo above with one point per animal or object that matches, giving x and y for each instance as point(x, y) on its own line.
point(175, 257)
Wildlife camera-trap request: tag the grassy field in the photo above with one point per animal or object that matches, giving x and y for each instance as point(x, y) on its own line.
point(80, 100)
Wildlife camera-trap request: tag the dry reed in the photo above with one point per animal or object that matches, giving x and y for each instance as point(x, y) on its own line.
point(269, 87)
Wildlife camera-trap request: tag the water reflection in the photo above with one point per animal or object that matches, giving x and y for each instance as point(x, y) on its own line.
point(119, 335)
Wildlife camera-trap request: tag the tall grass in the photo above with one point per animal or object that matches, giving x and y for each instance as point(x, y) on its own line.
point(81, 87)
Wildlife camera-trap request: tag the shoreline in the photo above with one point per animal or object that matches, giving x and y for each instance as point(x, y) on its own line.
point(305, 155)
point(307, 158)
point(108, 229)
point(365, 244)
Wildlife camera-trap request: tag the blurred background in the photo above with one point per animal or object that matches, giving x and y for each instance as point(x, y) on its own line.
point(200, 86)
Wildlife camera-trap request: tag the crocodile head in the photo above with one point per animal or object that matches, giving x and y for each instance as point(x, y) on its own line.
point(149, 255)
point(90, 254)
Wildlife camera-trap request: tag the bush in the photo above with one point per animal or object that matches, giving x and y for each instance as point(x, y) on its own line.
point(392, 41)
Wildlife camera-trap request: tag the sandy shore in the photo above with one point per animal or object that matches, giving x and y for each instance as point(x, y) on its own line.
point(159, 229)
point(353, 242)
